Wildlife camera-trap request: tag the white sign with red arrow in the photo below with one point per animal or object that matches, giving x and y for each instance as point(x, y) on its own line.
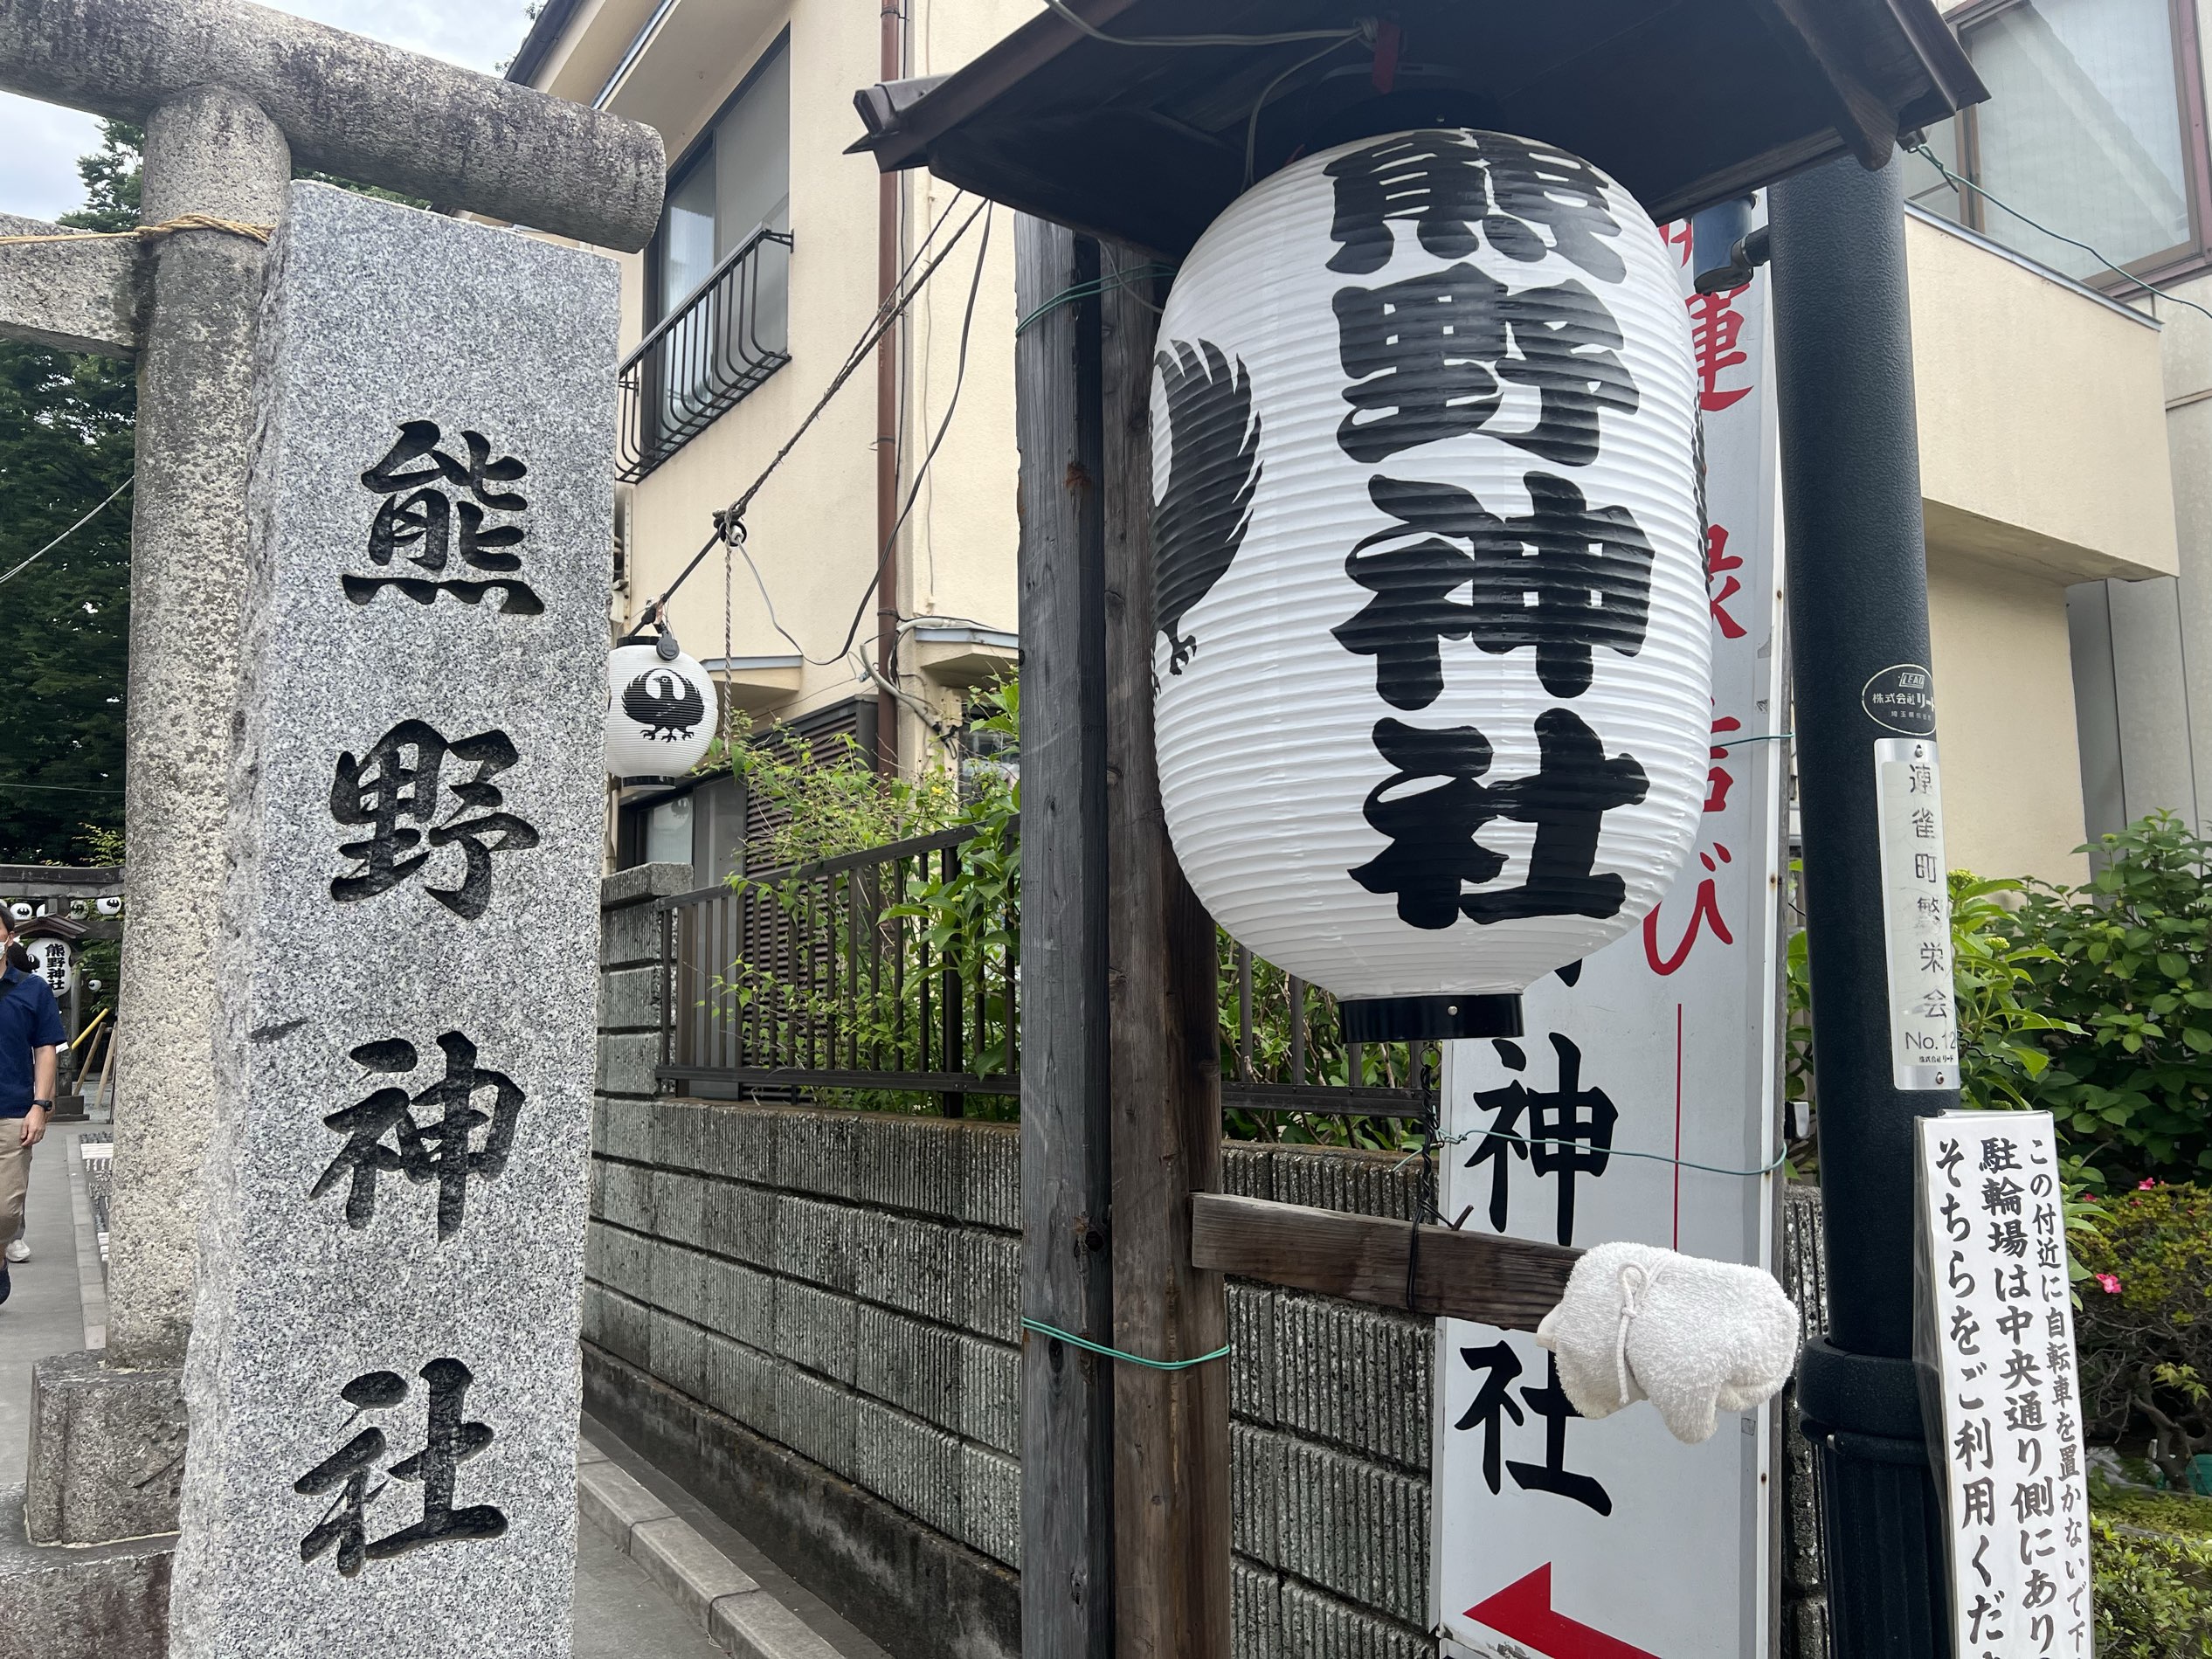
point(1641, 1105)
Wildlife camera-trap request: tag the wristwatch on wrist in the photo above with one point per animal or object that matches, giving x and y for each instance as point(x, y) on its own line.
point(48, 1104)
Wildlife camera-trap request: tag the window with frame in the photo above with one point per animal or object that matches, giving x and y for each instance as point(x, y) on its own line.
point(733, 182)
point(2094, 128)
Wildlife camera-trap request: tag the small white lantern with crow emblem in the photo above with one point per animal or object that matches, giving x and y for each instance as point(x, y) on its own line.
point(660, 707)
point(1433, 657)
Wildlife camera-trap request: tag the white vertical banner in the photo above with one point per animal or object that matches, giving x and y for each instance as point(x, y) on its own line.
point(1993, 1335)
point(1556, 1535)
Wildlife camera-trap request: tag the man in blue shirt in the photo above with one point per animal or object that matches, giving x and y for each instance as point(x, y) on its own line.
point(31, 1038)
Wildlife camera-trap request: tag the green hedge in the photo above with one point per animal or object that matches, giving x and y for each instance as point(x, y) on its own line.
point(2153, 1587)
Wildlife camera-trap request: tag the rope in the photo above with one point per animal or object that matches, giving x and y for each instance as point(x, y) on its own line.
point(155, 232)
point(1057, 1334)
point(1629, 1310)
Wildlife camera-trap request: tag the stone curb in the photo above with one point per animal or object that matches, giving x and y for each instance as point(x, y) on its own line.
point(721, 1599)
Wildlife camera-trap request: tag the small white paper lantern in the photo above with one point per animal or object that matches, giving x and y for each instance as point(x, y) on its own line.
point(659, 714)
point(108, 906)
point(22, 911)
point(1433, 667)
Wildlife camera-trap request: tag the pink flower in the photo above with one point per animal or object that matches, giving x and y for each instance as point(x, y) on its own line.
point(2111, 1281)
point(2144, 1185)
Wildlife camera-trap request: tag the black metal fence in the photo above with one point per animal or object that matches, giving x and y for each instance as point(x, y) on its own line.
point(886, 971)
point(727, 338)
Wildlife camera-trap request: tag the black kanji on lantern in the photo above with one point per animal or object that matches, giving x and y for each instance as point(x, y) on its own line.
point(398, 781)
point(1454, 185)
point(440, 1150)
point(1434, 855)
point(1563, 1133)
point(1427, 354)
point(1565, 579)
point(1575, 786)
point(418, 519)
point(448, 1443)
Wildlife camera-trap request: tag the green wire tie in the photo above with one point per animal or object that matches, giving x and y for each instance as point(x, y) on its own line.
point(1054, 1332)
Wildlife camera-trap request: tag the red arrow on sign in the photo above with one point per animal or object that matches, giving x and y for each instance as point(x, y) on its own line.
point(1522, 1611)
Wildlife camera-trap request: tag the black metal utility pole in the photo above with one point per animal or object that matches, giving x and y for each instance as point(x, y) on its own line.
point(1858, 605)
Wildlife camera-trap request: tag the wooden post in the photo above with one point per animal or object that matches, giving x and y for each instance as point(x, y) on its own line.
point(1171, 1427)
point(1067, 1274)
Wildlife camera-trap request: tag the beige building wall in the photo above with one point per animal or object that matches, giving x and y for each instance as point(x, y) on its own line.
point(812, 530)
point(2012, 795)
point(2043, 464)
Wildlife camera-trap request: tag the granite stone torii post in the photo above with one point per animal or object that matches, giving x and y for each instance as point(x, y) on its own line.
point(232, 96)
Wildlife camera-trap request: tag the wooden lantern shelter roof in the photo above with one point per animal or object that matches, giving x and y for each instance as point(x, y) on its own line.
point(1685, 102)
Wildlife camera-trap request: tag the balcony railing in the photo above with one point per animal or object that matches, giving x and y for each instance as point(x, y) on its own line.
point(727, 337)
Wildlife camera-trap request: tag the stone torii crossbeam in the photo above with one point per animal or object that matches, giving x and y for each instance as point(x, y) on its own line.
point(232, 96)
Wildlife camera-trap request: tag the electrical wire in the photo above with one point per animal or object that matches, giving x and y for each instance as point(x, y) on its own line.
point(1526, 1140)
point(885, 316)
point(1252, 126)
point(19, 569)
point(1958, 184)
point(1096, 286)
point(893, 305)
point(914, 489)
point(1066, 15)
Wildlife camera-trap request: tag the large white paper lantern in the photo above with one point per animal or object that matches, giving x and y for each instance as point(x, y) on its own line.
point(1434, 669)
point(659, 714)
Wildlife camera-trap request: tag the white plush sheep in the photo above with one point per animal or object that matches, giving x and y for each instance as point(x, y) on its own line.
point(1695, 1337)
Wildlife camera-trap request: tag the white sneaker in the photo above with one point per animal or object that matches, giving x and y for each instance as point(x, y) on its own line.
point(18, 1251)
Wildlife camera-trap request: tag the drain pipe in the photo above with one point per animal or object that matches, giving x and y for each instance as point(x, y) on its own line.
point(890, 66)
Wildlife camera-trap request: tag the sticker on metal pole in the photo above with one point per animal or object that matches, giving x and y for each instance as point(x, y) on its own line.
point(1916, 914)
point(1901, 698)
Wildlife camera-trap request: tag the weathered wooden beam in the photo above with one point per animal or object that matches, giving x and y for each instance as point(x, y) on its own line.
point(1509, 1282)
point(81, 294)
point(1066, 1271)
point(1171, 1427)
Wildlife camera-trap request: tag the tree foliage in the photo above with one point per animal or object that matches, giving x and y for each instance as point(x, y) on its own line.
point(65, 444)
point(2145, 1328)
point(2125, 963)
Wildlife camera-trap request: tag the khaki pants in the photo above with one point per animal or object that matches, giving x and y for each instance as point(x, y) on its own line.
point(15, 1177)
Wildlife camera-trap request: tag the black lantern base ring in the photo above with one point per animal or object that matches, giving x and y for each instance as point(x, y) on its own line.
point(1408, 1019)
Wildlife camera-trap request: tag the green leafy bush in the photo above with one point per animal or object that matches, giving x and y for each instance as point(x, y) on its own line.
point(2122, 962)
point(2001, 1019)
point(2152, 1592)
point(2143, 1331)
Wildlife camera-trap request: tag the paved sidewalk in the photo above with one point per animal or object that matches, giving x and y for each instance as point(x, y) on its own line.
point(46, 1313)
point(622, 1614)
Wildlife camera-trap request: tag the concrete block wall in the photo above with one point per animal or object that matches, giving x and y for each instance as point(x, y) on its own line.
point(845, 1286)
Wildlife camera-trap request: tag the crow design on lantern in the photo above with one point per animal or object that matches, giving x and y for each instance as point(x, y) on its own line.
point(1424, 430)
point(1201, 521)
point(657, 728)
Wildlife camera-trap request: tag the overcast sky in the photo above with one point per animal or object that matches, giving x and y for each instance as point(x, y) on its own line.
point(42, 143)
